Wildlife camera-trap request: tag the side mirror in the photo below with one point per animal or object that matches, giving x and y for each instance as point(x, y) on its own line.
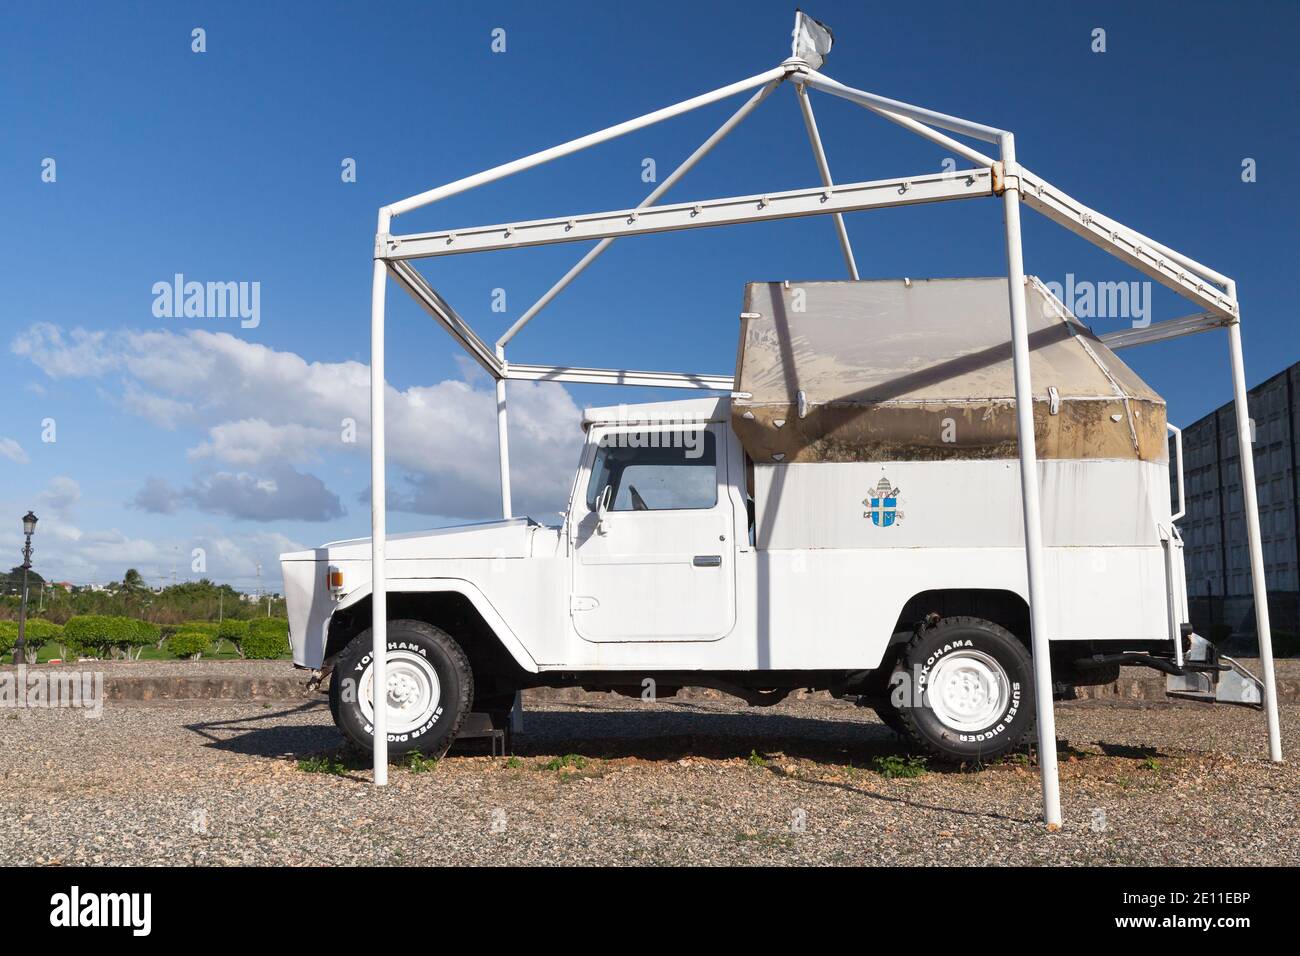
point(602, 510)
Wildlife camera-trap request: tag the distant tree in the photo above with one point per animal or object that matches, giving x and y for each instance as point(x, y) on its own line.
point(183, 603)
point(236, 632)
point(188, 644)
point(133, 581)
point(12, 582)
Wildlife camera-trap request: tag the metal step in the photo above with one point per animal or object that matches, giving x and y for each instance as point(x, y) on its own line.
point(1205, 678)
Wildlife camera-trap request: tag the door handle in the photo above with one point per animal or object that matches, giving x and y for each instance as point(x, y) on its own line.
point(707, 561)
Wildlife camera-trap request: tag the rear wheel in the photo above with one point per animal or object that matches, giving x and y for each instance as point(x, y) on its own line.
point(429, 687)
point(968, 692)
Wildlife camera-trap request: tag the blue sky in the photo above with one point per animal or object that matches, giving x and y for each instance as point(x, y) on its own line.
point(182, 433)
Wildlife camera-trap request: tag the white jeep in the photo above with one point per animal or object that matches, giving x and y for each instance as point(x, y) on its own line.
point(849, 520)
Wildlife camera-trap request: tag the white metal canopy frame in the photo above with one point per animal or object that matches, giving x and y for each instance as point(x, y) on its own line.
point(1214, 295)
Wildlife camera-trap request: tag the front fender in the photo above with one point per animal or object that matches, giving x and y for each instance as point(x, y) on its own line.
point(314, 645)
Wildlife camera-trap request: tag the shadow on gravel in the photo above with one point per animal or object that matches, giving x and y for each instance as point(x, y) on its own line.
point(673, 733)
point(1132, 753)
point(668, 733)
point(244, 735)
point(916, 804)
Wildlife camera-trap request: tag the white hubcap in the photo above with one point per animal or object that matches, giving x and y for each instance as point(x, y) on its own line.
point(968, 690)
point(413, 692)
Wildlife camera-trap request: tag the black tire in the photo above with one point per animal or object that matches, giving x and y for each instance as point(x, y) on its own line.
point(333, 698)
point(417, 644)
point(952, 650)
point(889, 717)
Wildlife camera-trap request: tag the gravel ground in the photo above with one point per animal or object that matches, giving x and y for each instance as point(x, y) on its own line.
point(697, 782)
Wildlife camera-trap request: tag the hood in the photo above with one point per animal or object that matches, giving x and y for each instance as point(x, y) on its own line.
point(508, 538)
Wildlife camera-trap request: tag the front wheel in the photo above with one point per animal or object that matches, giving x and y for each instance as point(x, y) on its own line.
point(429, 688)
point(968, 693)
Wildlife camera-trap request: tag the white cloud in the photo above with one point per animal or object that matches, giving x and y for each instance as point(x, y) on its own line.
point(13, 451)
point(79, 354)
point(61, 494)
point(68, 554)
point(157, 497)
point(235, 558)
point(164, 412)
point(265, 410)
point(284, 493)
point(255, 441)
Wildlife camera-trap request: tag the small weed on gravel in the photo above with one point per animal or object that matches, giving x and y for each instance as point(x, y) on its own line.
point(419, 763)
point(893, 765)
point(756, 760)
point(574, 761)
point(513, 763)
point(324, 764)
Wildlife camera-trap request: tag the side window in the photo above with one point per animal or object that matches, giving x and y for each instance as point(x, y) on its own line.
point(656, 471)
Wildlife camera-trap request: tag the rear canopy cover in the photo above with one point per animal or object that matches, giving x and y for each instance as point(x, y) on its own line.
point(907, 370)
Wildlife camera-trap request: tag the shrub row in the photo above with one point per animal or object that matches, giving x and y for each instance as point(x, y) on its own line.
point(36, 632)
point(189, 644)
point(102, 636)
point(267, 639)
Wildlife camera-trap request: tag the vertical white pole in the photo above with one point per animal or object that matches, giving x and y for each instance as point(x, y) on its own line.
point(503, 441)
point(378, 577)
point(824, 168)
point(1029, 492)
point(1245, 448)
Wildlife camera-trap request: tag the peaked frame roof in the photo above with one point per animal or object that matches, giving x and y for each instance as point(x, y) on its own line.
point(1212, 293)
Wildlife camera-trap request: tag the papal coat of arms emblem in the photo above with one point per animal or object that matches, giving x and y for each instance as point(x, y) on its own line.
point(882, 504)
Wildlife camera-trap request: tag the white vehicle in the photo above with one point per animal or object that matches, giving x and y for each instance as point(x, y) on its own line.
point(848, 520)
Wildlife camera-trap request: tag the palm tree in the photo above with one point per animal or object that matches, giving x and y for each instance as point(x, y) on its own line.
point(133, 581)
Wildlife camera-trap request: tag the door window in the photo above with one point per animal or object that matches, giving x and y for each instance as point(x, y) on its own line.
point(656, 471)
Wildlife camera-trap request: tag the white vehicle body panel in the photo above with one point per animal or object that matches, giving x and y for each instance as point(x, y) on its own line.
point(645, 561)
point(821, 585)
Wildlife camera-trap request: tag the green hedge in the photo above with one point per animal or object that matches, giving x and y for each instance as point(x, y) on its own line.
point(268, 639)
point(144, 635)
point(101, 634)
point(188, 643)
point(37, 631)
point(234, 632)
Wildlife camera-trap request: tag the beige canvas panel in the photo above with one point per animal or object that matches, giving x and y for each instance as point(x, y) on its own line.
point(897, 370)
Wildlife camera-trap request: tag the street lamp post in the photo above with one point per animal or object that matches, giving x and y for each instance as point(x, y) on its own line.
point(29, 527)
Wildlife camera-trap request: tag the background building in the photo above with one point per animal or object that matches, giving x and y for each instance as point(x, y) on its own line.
point(1214, 530)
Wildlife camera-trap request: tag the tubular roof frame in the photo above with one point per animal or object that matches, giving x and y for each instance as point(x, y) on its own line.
point(1004, 177)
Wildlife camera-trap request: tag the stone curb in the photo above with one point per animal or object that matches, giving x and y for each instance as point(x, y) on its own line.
point(204, 688)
